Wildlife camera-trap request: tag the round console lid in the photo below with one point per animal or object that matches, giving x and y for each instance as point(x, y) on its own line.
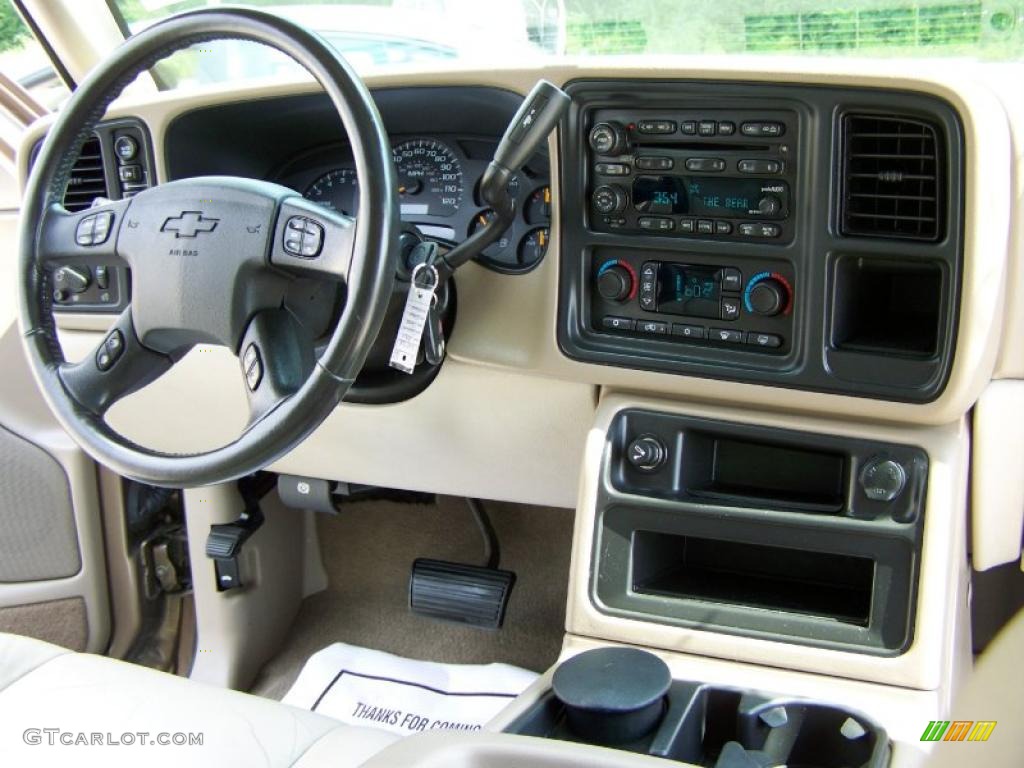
point(612, 695)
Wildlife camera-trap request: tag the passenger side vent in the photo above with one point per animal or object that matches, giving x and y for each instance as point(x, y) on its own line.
point(893, 183)
point(88, 181)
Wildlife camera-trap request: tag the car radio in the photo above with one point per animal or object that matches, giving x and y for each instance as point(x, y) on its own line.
point(711, 174)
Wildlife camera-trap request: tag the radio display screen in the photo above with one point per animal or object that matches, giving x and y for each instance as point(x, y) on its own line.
point(698, 195)
point(684, 289)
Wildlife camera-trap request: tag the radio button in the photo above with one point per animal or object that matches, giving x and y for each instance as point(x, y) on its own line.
point(730, 309)
point(687, 225)
point(723, 228)
point(612, 169)
point(725, 335)
point(655, 163)
point(767, 340)
point(726, 129)
point(689, 127)
point(757, 229)
point(732, 279)
point(689, 331)
point(618, 323)
point(762, 129)
point(652, 326)
point(705, 227)
point(656, 126)
point(707, 128)
point(657, 223)
point(713, 164)
point(759, 166)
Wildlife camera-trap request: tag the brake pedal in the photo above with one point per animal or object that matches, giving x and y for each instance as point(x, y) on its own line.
point(462, 594)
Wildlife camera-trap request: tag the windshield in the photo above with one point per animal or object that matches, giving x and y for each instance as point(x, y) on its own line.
point(386, 34)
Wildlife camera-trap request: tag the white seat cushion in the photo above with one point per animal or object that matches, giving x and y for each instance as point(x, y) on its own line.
point(64, 708)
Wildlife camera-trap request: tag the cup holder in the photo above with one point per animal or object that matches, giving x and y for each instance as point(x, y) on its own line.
point(625, 698)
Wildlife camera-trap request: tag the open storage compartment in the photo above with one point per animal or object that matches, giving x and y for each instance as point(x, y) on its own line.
point(887, 306)
point(827, 585)
point(769, 533)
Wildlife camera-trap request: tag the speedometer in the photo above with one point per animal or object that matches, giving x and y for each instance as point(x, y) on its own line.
point(429, 178)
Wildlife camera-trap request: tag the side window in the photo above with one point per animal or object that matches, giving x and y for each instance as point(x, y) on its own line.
point(24, 61)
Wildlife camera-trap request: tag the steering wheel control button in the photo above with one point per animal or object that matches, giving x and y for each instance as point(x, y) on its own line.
point(94, 229)
point(303, 237)
point(883, 479)
point(647, 453)
point(126, 148)
point(110, 352)
point(253, 367)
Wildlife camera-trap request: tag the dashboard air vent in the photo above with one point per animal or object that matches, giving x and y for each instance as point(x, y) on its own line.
point(88, 180)
point(892, 178)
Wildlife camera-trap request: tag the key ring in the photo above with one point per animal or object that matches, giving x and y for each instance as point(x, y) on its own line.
point(418, 269)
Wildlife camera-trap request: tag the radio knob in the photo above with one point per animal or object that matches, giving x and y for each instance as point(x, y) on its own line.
point(608, 139)
point(769, 205)
point(609, 199)
point(768, 298)
point(615, 284)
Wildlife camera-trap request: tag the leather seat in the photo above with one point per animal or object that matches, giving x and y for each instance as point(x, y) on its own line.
point(82, 703)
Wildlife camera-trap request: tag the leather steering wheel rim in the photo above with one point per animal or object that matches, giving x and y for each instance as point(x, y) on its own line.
point(368, 271)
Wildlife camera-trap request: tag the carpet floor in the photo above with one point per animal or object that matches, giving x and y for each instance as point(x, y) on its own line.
point(368, 550)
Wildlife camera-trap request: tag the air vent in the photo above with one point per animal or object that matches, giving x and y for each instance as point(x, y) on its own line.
point(892, 178)
point(87, 178)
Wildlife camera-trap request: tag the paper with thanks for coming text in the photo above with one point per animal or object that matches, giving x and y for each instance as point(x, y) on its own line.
point(359, 686)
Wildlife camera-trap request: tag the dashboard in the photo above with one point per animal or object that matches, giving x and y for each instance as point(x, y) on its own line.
point(439, 188)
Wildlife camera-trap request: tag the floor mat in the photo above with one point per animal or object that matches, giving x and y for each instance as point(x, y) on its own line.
point(360, 686)
point(367, 550)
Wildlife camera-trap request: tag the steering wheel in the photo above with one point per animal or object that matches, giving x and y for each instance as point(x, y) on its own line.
point(211, 261)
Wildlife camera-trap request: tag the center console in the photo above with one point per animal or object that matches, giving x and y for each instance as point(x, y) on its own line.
point(796, 236)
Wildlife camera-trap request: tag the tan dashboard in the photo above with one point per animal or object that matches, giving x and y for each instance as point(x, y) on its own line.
point(508, 415)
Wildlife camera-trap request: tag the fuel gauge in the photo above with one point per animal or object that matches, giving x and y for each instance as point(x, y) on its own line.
point(538, 206)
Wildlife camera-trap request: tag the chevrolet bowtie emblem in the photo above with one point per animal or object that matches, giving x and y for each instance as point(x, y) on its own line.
point(189, 224)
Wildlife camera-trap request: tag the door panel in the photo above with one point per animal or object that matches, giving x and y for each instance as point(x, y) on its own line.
point(53, 581)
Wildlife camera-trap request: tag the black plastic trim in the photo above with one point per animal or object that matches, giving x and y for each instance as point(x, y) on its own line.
point(887, 533)
point(811, 362)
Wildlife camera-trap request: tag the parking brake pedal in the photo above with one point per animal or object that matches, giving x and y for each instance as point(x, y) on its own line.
point(463, 594)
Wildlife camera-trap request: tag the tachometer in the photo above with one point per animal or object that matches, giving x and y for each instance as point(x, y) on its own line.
point(338, 190)
point(429, 178)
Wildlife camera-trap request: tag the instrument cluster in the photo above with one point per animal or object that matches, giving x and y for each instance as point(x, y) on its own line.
point(438, 187)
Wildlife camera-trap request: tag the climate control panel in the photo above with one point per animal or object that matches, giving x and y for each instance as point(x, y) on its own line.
point(694, 299)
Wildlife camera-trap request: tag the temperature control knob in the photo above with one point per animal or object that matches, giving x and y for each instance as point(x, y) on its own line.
point(615, 284)
point(768, 298)
point(609, 199)
point(769, 205)
point(608, 139)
